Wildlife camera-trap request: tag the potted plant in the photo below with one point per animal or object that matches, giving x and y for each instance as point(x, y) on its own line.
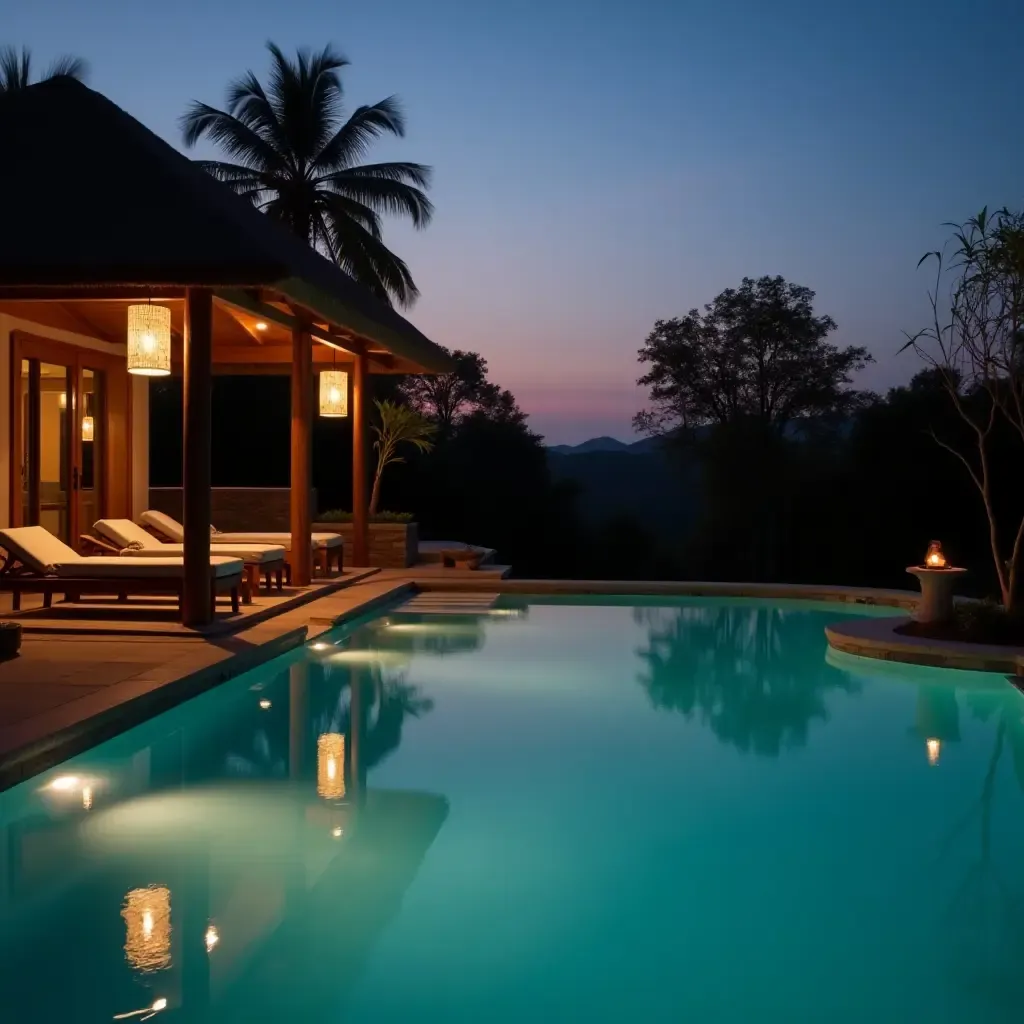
point(10, 639)
point(394, 537)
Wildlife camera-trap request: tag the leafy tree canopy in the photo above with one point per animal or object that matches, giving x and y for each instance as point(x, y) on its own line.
point(757, 351)
point(448, 398)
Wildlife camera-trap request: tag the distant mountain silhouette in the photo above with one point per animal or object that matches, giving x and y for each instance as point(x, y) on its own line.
point(635, 480)
point(606, 444)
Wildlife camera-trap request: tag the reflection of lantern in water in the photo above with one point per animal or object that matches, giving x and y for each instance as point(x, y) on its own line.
point(147, 919)
point(330, 766)
point(937, 719)
point(212, 937)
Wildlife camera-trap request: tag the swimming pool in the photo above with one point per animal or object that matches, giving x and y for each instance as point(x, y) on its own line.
point(545, 810)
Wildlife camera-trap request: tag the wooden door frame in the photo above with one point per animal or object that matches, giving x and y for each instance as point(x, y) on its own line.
point(115, 486)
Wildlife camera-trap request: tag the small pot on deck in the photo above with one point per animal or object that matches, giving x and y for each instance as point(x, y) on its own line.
point(10, 639)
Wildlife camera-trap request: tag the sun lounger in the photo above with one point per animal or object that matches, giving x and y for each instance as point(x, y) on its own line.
point(37, 562)
point(327, 547)
point(123, 537)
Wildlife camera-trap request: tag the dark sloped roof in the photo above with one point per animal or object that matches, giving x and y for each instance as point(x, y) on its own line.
point(89, 196)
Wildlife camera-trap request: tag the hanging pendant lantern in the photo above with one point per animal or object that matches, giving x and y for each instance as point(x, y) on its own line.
point(149, 340)
point(333, 393)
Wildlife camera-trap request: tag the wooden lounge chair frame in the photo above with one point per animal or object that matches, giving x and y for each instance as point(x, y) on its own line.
point(18, 578)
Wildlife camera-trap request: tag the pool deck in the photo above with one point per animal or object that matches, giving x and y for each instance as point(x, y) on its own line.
point(878, 638)
point(79, 681)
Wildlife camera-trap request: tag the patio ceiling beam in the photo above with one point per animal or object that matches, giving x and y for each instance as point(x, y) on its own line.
point(253, 302)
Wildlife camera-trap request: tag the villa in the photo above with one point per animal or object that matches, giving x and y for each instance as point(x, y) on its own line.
point(150, 267)
point(403, 797)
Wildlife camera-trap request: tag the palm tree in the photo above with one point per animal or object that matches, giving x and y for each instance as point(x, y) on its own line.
point(295, 159)
point(16, 69)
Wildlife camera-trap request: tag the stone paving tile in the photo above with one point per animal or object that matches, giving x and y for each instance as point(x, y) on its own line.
point(72, 672)
point(18, 702)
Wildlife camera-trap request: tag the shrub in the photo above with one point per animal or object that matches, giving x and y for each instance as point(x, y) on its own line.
point(339, 515)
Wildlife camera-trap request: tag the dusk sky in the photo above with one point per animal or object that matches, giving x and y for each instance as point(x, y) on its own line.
point(600, 165)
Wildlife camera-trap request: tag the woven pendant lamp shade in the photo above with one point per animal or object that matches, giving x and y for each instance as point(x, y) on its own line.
point(149, 340)
point(333, 393)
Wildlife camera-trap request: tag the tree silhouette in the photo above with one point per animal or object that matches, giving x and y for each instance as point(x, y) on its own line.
point(757, 352)
point(293, 157)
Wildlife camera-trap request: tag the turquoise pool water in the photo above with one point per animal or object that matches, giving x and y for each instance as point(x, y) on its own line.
point(556, 811)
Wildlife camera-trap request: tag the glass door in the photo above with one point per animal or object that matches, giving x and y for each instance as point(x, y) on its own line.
point(47, 449)
point(71, 425)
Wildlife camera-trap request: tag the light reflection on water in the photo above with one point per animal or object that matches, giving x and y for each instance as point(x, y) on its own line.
point(668, 810)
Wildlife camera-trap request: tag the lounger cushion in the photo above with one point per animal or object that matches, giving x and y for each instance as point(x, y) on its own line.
point(320, 540)
point(115, 567)
point(36, 548)
point(173, 530)
point(168, 527)
point(124, 532)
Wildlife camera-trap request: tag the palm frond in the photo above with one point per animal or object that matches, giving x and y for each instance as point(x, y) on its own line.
point(235, 138)
point(369, 260)
point(360, 213)
point(14, 68)
point(353, 138)
point(305, 93)
point(67, 67)
point(385, 189)
point(249, 103)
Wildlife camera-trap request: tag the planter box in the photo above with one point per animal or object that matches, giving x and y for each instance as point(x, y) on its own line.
point(392, 545)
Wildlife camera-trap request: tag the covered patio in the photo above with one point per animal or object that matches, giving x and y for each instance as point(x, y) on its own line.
point(145, 227)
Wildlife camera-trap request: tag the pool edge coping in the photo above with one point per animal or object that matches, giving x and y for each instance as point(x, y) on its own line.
point(64, 732)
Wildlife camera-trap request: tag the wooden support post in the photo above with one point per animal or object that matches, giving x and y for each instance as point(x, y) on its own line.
point(32, 442)
point(301, 556)
point(360, 493)
point(197, 595)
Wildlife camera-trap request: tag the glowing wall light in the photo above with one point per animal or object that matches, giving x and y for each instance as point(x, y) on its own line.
point(147, 920)
point(330, 766)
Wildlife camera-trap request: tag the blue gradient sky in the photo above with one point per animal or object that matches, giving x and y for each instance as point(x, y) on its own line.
point(602, 164)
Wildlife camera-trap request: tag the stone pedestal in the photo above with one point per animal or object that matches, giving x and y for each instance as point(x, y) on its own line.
point(936, 604)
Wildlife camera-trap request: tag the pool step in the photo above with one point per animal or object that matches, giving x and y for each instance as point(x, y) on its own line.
point(440, 603)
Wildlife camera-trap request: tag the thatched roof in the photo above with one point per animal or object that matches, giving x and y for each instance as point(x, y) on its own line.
point(90, 197)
